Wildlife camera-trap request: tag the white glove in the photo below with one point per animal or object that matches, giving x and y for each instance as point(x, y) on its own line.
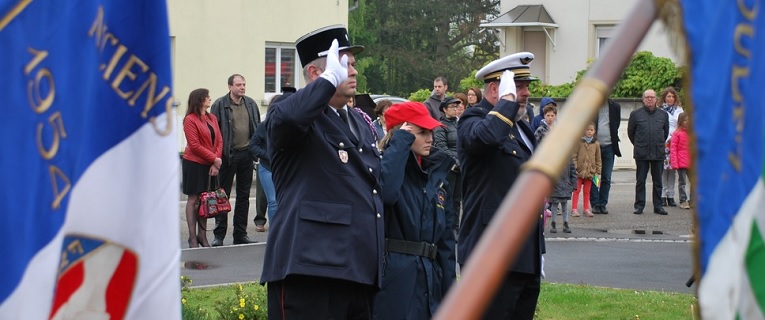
point(337, 69)
point(507, 86)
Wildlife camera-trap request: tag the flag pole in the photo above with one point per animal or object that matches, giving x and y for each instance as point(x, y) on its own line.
point(485, 269)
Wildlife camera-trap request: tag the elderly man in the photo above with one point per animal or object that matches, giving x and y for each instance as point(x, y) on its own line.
point(492, 145)
point(324, 253)
point(648, 128)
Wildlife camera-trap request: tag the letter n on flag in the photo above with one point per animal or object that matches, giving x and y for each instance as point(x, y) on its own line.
point(88, 161)
point(727, 66)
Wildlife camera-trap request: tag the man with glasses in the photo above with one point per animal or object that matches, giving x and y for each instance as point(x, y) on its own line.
point(648, 128)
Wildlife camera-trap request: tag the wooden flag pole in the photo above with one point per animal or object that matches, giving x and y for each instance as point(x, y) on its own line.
point(518, 212)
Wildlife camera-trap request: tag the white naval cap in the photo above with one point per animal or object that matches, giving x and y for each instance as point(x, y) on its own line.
point(519, 63)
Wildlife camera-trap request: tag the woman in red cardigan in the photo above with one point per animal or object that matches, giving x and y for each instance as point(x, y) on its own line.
point(201, 159)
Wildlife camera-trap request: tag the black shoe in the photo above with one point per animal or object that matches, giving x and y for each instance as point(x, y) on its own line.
point(664, 202)
point(660, 211)
point(566, 228)
point(596, 209)
point(244, 240)
point(603, 210)
point(671, 202)
point(217, 242)
point(638, 211)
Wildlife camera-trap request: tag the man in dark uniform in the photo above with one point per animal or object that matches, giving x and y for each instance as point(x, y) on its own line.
point(492, 145)
point(324, 252)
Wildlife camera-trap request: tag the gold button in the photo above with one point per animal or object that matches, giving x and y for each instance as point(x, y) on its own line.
point(514, 153)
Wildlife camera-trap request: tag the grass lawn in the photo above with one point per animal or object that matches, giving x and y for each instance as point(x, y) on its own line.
point(568, 301)
point(556, 302)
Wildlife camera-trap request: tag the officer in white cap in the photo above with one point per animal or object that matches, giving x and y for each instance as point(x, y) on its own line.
point(493, 143)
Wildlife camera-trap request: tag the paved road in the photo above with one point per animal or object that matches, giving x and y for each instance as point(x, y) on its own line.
point(619, 250)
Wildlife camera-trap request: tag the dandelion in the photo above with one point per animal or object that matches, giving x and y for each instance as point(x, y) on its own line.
point(183, 300)
point(255, 307)
point(241, 303)
point(241, 316)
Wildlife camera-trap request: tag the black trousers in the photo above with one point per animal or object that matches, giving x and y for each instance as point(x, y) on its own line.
point(655, 167)
point(241, 166)
point(308, 297)
point(516, 298)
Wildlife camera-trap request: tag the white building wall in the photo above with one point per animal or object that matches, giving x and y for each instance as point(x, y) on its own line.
point(575, 35)
point(213, 39)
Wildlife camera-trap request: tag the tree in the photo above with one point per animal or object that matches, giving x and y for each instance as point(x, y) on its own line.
point(410, 42)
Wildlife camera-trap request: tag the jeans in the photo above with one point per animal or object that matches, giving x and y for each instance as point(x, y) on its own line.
point(643, 166)
point(682, 177)
point(668, 183)
point(266, 180)
point(242, 167)
point(599, 196)
point(563, 203)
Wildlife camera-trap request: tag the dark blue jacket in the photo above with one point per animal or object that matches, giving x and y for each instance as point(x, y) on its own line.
point(418, 207)
point(259, 147)
point(491, 154)
point(330, 221)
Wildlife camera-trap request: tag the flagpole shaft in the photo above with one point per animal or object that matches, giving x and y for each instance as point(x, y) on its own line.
point(518, 213)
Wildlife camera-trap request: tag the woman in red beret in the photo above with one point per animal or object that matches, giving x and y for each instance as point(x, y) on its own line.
point(420, 262)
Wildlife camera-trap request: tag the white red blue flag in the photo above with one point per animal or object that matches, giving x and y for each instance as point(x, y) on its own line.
point(88, 160)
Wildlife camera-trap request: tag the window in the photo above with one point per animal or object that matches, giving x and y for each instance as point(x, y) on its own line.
point(281, 66)
point(602, 34)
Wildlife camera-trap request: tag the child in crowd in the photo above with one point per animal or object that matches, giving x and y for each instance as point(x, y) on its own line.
point(588, 165)
point(680, 156)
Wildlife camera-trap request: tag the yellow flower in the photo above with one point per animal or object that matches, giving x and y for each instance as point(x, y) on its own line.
point(241, 316)
point(241, 303)
point(183, 300)
point(255, 307)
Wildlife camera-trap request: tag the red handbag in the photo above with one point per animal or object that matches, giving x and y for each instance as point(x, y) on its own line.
point(214, 201)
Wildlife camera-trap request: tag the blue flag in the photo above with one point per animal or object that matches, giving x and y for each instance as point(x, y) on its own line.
point(727, 67)
point(89, 161)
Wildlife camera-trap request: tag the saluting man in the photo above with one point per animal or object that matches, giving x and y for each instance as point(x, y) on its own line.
point(324, 252)
point(492, 145)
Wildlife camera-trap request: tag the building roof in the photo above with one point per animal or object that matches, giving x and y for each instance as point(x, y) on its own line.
point(524, 16)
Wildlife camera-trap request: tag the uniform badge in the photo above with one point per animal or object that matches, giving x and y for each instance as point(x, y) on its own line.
point(343, 155)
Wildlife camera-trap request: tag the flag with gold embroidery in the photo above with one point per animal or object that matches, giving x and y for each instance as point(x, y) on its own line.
point(727, 71)
point(88, 161)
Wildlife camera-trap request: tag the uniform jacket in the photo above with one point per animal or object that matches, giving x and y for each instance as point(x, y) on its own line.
point(680, 150)
point(587, 159)
point(199, 145)
point(648, 131)
point(330, 221)
point(413, 286)
point(222, 109)
point(445, 138)
point(491, 154)
point(614, 122)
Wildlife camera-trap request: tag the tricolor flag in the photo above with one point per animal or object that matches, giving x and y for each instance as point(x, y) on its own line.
point(88, 160)
point(727, 67)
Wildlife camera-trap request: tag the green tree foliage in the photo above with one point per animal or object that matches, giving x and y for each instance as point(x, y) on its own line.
point(410, 42)
point(645, 71)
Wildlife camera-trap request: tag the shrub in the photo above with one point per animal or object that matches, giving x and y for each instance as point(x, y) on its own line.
point(645, 71)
